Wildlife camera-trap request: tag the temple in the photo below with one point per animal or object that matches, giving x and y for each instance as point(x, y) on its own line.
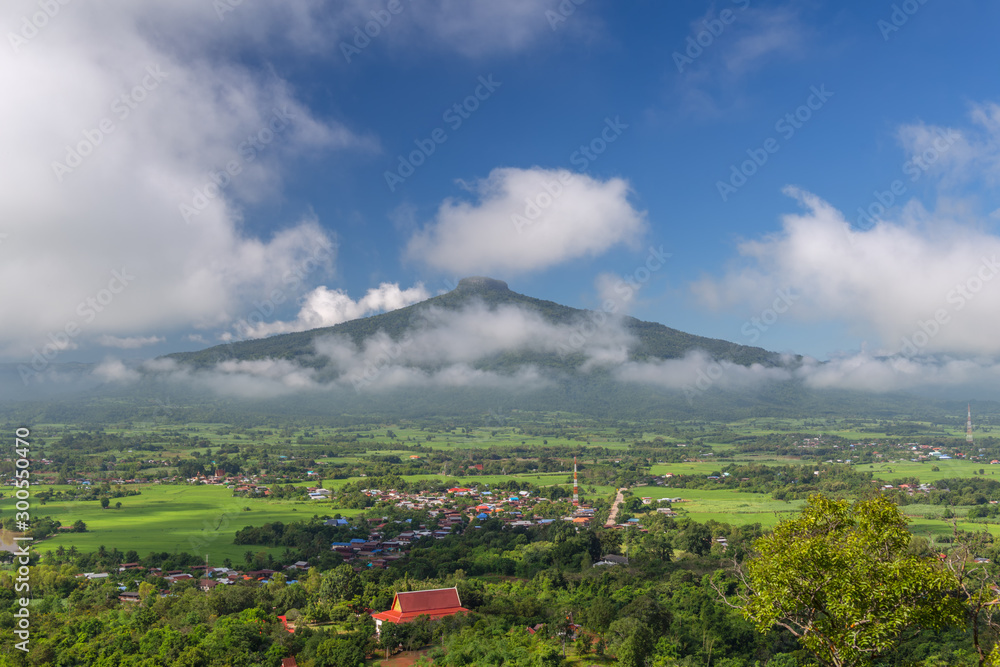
point(407, 606)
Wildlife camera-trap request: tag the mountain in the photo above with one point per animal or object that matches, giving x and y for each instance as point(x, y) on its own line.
point(458, 361)
point(653, 340)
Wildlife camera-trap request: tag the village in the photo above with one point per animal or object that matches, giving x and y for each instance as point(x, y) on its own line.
point(460, 508)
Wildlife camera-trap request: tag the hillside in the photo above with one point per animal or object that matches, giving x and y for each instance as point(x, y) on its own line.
point(654, 341)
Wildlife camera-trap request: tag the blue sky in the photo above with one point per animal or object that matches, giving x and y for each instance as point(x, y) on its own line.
point(683, 92)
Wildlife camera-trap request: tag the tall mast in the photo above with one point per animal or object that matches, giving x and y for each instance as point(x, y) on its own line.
point(576, 490)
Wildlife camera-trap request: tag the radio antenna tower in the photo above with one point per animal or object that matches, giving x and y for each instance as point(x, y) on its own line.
point(576, 490)
point(968, 426)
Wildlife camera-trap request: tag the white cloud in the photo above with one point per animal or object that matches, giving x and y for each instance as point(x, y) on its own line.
point(324, 307)
point(253, 379)
point(920, 279)
point(865, 372)
point(956, 156)
point(610, 290)
point(114, 370)
point(527, 378)
point(764, 34)
point(527, 220)
point(129, 342)
point(444, 349)
point(155, 110)
point(697, 371)
point(714, 73)
point(481, 28)
point(378, 365)
point(476, 333)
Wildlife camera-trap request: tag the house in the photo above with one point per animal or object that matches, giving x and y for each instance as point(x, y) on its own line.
point(533, 629)
point(128, 597)
point(289, 662)
point(408, 605)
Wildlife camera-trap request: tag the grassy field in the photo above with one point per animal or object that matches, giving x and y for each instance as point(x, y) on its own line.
point(931, 528)
point(724, 505)
point(740, 508)
point(925, 472)
point(709, 467)
point(199, 519)
point(196, 519)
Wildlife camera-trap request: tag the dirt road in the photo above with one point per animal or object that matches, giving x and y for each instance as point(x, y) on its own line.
point(614, 509)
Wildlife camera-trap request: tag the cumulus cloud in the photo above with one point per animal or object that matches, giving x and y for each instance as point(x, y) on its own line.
point(527, 220)
point(135, 135)
point(920, 283)
point(134, 124)
point(325, 307)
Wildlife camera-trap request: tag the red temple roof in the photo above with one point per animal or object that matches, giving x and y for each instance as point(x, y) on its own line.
point(436, 603)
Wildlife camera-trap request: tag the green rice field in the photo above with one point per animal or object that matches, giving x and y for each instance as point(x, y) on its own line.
point(171, 518)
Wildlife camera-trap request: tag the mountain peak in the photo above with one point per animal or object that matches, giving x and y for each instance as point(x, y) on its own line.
point(481, 284)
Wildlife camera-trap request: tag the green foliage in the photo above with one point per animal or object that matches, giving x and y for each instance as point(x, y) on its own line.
point(840, 579)
point(696, 539)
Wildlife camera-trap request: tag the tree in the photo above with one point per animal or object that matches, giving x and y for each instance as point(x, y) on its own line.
point(839, 578)
point(977, 584)
point(696, 539)
point(340, 584)
point(105, 502)
point(145, 589)
point(659, 546)
point(633, 642)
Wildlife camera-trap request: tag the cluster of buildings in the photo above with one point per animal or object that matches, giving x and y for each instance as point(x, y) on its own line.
point(377, 552)
point(472, 505)
point(910, 489)
point(207, 577)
